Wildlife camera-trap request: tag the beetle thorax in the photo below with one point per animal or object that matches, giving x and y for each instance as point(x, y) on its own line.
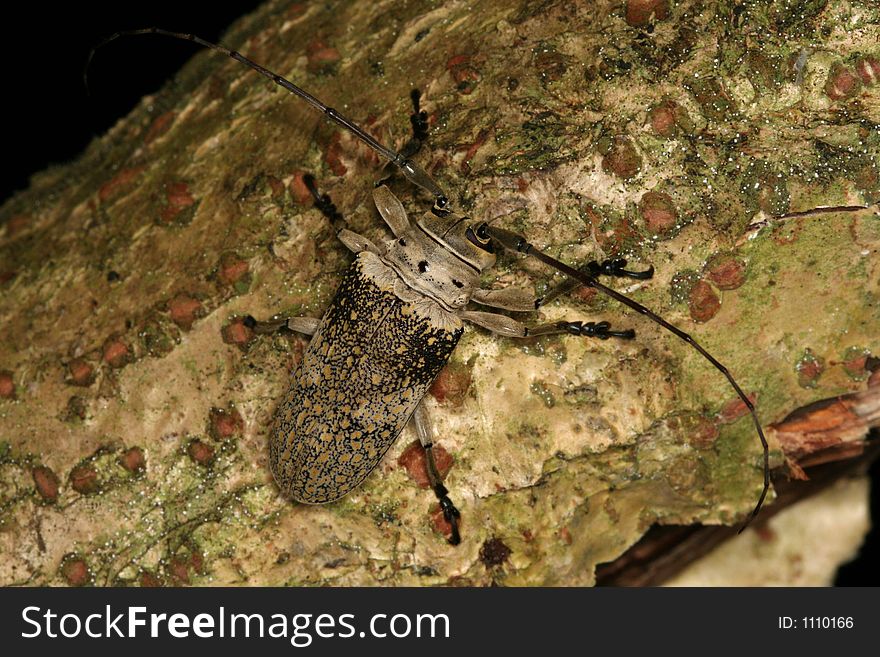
point(430, 268)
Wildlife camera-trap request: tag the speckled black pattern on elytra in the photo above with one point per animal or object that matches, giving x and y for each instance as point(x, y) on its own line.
point(361, 377)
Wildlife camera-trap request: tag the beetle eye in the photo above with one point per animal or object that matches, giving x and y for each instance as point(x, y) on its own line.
point(480, 238)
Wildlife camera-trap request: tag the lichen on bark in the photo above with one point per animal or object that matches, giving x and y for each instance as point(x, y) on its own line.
point(125, 275)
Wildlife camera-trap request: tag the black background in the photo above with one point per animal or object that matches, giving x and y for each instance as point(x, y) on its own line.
point(47, 116)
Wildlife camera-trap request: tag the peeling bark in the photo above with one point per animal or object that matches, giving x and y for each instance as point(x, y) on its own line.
point(124, 277)
point(825, 443)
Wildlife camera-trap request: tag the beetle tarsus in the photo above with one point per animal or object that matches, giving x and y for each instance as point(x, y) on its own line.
point(419, 122)
point(600, 330)
point(617, 267)
point(325, 204)
point(419, 117)
point(450, 513)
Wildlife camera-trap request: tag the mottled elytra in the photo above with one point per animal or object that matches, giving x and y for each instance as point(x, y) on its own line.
point(396, 319)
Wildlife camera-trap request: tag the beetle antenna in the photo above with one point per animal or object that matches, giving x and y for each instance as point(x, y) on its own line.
point(411, 170)
point(515, 242)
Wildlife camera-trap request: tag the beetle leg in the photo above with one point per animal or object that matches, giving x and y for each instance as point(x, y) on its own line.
point(325, 205)
point(616, 267)
point(511, 328)
point(419, 122)
point(353, 241)
point(508, 298)
point(391, 209)
point(611, 267)
point(304, 325)
point(422, 424)
point(357, 243)
point(522, 301)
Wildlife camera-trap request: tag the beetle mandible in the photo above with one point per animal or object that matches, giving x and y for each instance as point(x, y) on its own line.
point(395, 321)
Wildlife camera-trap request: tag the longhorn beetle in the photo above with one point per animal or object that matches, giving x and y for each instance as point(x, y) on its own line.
point(395, 320)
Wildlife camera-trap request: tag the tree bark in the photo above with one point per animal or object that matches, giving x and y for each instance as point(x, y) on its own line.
point(135, 404)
